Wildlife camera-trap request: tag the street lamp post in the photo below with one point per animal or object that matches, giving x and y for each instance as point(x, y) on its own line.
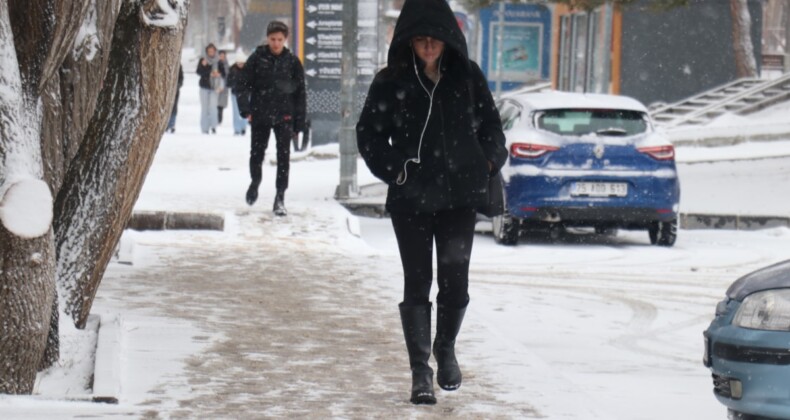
point(500, 48)
point(204, 10)
point(787, 37)
point(348, 139)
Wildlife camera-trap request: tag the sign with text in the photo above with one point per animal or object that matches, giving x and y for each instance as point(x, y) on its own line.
point(323, 54)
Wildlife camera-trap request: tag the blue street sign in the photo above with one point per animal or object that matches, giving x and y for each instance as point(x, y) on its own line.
point(526, 44)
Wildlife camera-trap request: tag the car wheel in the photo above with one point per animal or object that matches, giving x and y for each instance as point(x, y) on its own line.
point(606, 231)
point(663, 233)
point(506, 229)
point(556, 231)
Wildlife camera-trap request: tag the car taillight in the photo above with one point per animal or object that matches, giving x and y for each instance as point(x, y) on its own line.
point(529, 150)
point(659, 152)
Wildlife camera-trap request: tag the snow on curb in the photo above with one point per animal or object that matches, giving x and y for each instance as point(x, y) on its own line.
point(373, 207)
point(731, 221)
point(107, 370)
point(161, 220)
point(727, 135)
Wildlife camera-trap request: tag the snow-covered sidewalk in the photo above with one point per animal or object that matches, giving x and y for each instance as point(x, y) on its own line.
point(297, 316)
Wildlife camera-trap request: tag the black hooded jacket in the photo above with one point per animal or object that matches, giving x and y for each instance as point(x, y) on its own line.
point(463, 133)
point(271, 88)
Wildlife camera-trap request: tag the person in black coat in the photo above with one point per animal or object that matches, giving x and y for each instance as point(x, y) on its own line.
point(239, 123)
point(171, 124)
point(222, 94)
point(429, 128)
point(271, 95)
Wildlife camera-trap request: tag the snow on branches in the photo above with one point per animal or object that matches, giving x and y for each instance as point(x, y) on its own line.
point(165, 13)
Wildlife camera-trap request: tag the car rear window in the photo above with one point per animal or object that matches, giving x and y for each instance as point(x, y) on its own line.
point(579, 122)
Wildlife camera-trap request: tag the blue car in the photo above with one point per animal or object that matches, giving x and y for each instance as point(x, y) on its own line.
point(747, 346)
point(585, 160)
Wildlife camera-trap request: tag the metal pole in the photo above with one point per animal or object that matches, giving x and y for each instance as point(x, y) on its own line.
point(204, 9)
point(500, 47)
point(236, 25)
point(348, 139)
point(381, 30)
point(786, 8)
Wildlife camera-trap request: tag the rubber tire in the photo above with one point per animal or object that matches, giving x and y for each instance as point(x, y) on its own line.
point(663, 233)
point(606, 231)
point(506, 229)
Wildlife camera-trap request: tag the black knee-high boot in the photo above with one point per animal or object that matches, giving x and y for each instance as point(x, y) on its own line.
point(416, 322)
point(448, 323)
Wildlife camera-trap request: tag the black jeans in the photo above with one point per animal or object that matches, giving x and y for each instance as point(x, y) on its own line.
point(453, 231)
point(283, 132)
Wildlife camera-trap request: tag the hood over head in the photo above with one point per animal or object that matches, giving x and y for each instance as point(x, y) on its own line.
point(432, 18)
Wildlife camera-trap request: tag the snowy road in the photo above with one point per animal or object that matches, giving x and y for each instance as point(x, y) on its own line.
point(617, 322)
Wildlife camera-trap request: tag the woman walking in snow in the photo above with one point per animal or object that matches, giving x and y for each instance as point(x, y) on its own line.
point(429, 129)
point(212, 72)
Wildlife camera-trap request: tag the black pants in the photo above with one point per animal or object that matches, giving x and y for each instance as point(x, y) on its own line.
point(453, 231)
point(283, 132)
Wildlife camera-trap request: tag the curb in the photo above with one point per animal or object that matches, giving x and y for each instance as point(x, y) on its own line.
point(731, 222)
point(688, 221)
point(107, 367)
point(726, 136)
point(160, 220)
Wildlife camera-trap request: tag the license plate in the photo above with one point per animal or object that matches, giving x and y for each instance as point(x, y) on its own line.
point(600, 189)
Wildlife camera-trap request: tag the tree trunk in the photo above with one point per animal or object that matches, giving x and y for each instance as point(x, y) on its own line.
point(37, 20)
point(27, 281)
point(745, 64)
point(70, 97)
point(107, 173)
point(27, 288)
point(101, 126)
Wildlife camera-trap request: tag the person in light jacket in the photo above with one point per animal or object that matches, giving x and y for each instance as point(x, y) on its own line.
point(212, 72)
point(429, 129)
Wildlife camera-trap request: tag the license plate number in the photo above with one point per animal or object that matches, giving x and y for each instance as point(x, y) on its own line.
point(600, 189)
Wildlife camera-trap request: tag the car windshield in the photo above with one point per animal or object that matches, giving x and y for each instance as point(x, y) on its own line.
point(578, 122)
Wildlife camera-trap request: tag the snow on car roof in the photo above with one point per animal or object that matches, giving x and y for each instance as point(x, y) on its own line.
point(564, 100)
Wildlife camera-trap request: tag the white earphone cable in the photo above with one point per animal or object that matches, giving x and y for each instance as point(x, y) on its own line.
point(401, 181)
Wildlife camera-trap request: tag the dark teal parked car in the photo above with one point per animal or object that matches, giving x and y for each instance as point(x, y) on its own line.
point(747, 346)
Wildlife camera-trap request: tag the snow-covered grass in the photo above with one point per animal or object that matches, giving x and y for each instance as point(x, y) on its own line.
point(586, 327)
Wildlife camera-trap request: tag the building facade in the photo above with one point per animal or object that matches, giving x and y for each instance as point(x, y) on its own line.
point(653, 56)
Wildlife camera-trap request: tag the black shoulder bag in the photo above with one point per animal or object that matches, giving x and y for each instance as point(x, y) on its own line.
point(495, 202)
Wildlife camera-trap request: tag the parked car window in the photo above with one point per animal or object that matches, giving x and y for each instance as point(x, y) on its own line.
point(578, 122)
